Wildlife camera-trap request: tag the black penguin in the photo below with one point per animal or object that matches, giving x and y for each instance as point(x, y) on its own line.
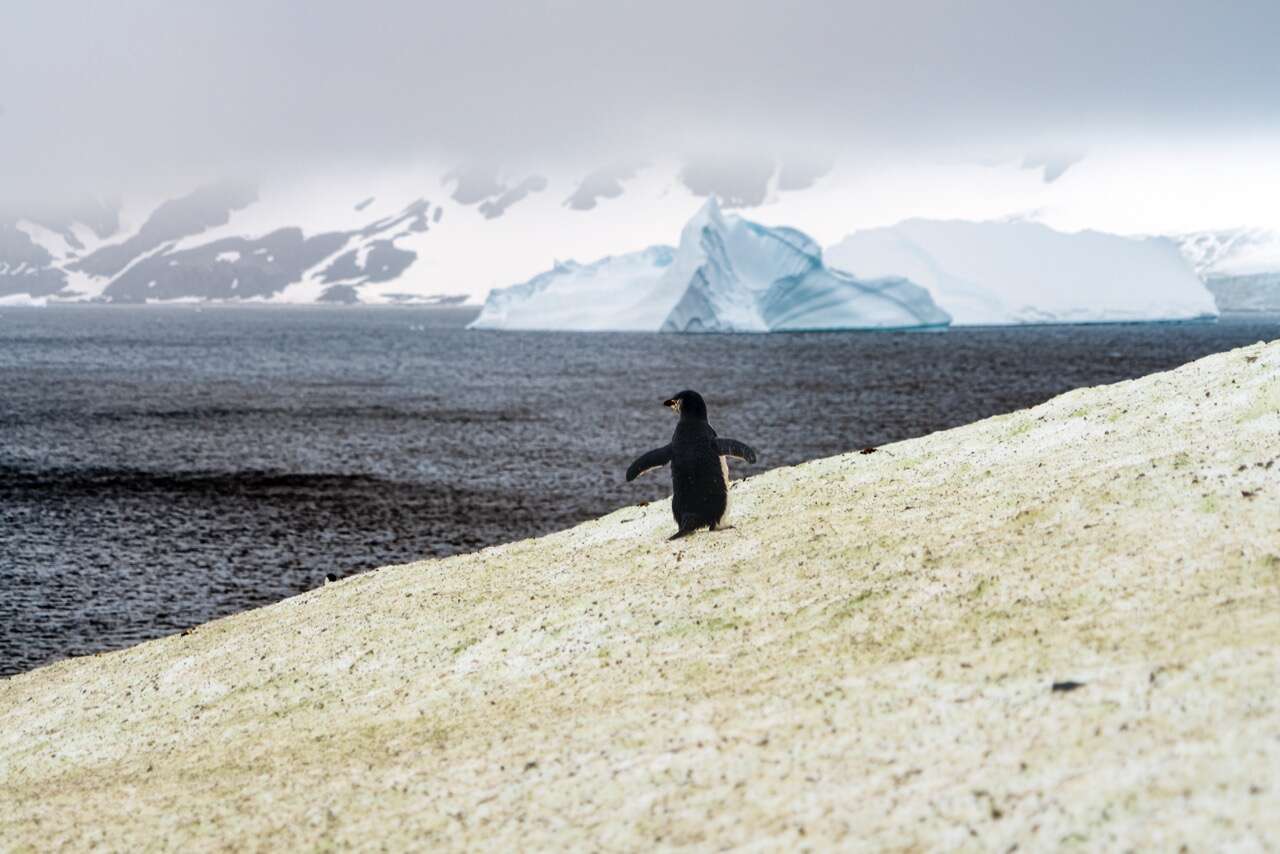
point(699, 472)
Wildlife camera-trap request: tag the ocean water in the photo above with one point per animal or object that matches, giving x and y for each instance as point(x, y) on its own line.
point(160, 467)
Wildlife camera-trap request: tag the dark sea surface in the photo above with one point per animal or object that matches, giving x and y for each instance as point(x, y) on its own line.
point(160, 467)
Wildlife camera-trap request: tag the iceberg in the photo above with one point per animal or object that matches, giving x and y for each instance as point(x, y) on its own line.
point(1241, 267)
point(1231, 252)
point(617, 293)
point(727, 275)
point(1024, 272)
point(23, 300)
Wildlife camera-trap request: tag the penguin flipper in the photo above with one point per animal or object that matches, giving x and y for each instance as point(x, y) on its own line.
point(657, 458)
point(734, 448)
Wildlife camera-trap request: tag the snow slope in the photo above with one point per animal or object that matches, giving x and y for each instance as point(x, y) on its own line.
point(1052, 629)
point(727, 275)
point(1025, 272)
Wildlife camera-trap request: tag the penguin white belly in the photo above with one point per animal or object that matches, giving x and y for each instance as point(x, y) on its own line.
point(724, 473)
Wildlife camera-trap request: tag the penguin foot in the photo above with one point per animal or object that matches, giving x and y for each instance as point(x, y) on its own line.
point(688, 524)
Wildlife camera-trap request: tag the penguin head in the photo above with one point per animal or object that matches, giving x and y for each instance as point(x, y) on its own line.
point(688, 404)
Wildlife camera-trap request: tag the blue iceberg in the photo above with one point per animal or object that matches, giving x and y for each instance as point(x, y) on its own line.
point(727, 275)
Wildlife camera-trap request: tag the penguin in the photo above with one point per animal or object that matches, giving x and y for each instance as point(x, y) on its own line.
point(699, 466)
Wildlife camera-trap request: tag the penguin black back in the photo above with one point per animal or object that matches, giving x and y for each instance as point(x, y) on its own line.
point(699, 470)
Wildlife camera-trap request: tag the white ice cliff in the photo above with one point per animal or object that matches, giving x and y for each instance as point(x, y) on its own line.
point(1241, 267)
point(728, 275)
point(1025, 272)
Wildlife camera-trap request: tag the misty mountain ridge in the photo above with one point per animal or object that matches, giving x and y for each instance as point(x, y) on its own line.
point(377, 243)
point(446, 236)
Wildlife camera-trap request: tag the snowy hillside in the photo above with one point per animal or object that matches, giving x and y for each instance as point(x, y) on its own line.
point(727, 275)
point(1025, 272)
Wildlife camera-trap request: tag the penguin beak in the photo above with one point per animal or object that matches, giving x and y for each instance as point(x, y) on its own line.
point(673, 403)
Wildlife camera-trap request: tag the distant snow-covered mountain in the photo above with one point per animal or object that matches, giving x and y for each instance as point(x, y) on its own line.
point(189, 249)
point(728, 274)
point(430, 234)
point(415, 235)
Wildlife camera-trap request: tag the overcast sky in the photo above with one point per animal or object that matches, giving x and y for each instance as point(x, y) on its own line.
point(105, 97)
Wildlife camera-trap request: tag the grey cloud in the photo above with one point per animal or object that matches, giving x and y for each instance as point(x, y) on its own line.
point(801, 173)
point(741, 181)
point(140, 96)
point(480, 183)
point(1053, 163)
point(738, 181)
point(603, 183)
point(474, 183)
point(494, 208)
point(99, 216)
